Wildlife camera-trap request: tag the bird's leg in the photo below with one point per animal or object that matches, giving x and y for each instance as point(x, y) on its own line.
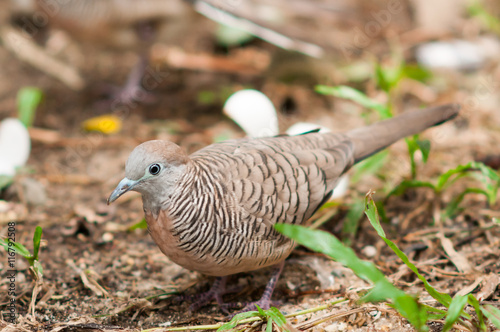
point(215, 293)
point(265, 301)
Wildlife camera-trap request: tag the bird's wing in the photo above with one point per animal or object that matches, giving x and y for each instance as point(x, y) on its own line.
point(280, 179)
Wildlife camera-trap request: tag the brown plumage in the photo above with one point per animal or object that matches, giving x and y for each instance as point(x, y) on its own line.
point(214, 211)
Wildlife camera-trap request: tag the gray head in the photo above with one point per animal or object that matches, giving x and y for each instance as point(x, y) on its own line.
point(152, 169)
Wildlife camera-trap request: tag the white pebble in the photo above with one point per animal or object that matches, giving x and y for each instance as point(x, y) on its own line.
point(253, 112)
point(15, 146)
point(369, 251)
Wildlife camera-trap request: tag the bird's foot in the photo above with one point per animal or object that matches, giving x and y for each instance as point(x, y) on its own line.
point(216, 292)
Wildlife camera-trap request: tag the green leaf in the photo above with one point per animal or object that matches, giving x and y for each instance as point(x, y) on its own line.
point(236, 319)
point(475, 303)
point(262, 313)
point(415, 144)
point(139, 225)
point(18, 248)
point(370, 165)
point(388, 78)
point(477, 9)
point(452, 207)
point(325, 243)
point(352, 219)
point(269, 327)
point(417, 73)
point(434, 313)
point(409, 308)
point(28, 100)
point(406, 184)
point(493, 314)
point(36, 242)
point(425, 147)
point(454, 311)
point(486, 175)
point(346, 92)
point(371, 213)
point(277, 316)
point(37, 267)
point(461, 170)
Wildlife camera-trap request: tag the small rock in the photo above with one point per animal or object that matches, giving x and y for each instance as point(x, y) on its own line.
point(291, 285)
point(107, 237)
point(15, 146)
point(254, 112)
point(337, 326)
point(369, 251)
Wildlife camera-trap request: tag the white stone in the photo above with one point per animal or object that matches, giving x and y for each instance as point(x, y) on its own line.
point(15, 146)
point(369, 251)
point(253, 112)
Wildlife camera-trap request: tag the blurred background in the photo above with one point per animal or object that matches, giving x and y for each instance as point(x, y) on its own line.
point(89, 80)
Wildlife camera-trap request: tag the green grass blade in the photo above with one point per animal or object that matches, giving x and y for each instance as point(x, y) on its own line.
point(37, 267)
point(454, 311)
point(477, 9)
point(261, 312)
point(412, 148)
point(406, 184)
point(346, 92)
point(325, 243)
point(480, 317)
point(425, 147)
point(370, 166)
point(452, 207)
point(493, 314)
point(28, 100)
point(352, 219)
point(417, 73)
point(36, 241)
point(236, 319)
point(460, 170)
point(18, 248)
point(371, 213)
point(269, 327)
point(139, 225)
point(277, 316)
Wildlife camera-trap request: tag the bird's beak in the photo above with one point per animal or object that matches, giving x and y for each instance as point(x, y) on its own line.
point(124, 186)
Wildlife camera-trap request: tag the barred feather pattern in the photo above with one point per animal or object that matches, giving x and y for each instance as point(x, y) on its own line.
point(214, 211)
point(234, 192)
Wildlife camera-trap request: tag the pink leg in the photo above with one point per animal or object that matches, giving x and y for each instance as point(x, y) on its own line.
point(219, 288)
point(265, 301)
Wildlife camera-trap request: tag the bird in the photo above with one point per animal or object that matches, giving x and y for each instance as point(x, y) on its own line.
point(214, 211)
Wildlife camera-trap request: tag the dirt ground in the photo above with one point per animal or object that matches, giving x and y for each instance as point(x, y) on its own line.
point(99, 275)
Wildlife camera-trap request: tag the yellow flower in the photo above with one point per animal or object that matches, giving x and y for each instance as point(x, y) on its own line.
point(106, 124)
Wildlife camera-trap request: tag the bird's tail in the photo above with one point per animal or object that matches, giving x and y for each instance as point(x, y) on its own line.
point(371, 139)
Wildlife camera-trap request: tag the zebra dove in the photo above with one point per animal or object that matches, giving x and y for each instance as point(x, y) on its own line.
point(214, 210)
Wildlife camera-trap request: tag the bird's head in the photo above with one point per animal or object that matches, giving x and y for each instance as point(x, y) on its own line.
point(152, 169)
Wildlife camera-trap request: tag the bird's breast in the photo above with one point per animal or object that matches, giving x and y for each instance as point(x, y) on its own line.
point(247, 255)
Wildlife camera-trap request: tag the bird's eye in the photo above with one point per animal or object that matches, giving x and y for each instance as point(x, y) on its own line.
point(154, 169)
